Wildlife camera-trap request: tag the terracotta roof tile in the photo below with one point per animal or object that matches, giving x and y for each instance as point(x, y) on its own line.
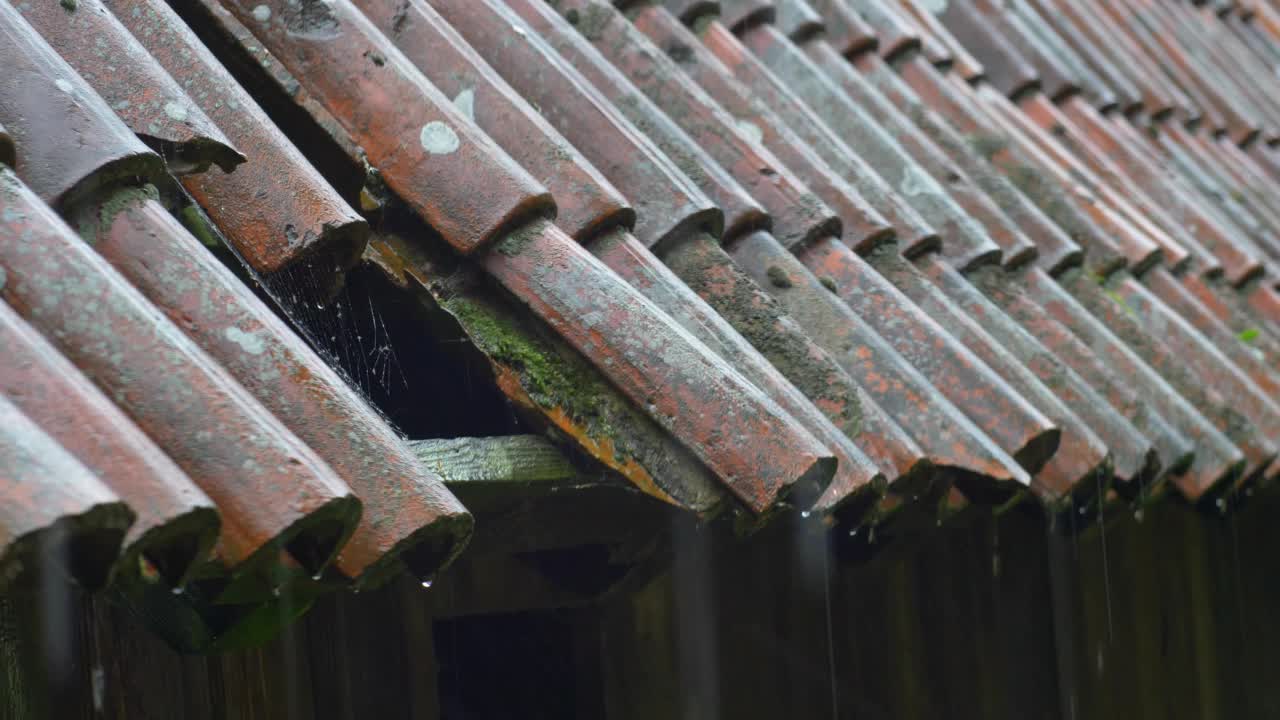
point(171, 389)
point(275, 209)
point(844, 28)
point(536, 261)
point(1006, 68)
point(896, 35)
point(942, 353)
point(410, 131)
point(519, 129)
point(133, 84)
point(57, 514)
point(910, 229)
point(1087, 64)
point(176, 523)
point(539, 373)
point(797, 215)
point(573, 399)
point(586, 203)
point(860, 223)
point(47, 95)
point(941, 47)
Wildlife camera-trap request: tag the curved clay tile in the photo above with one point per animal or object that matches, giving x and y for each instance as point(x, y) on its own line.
point(177, 523)
point(45, 104)
point(133, 84)
point(56, 515)
point(657, 365)
point(271, 490)
point(659, 188)
point(275, 209)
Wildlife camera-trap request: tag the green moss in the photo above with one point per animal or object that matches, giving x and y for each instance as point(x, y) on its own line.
point(92, 222)
point(592, 22)
point(546, 377)
point(198, 225)
point(1118, 299)
point(1248, 335)
point(778, 277)
point(988, 145)
point(515, 242)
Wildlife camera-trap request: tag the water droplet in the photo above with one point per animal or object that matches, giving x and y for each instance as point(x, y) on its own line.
point(176, 591)
point(804, 514)
point(427, 583)
point(275, 592)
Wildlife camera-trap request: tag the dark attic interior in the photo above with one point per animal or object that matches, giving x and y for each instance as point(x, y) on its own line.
point(577, 359)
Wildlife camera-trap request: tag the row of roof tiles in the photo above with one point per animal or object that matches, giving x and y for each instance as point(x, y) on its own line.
point(844, 256)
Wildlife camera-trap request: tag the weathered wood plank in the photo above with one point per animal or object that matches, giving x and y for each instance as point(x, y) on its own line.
point(512, 460)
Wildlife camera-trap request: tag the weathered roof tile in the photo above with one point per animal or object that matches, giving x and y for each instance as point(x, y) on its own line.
point(563, 284)
point(275, 209)
point(45, 103)
point(226, 442)
point(517, 127)
point(57, 515)
point(133, 84)
point(176, 523)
